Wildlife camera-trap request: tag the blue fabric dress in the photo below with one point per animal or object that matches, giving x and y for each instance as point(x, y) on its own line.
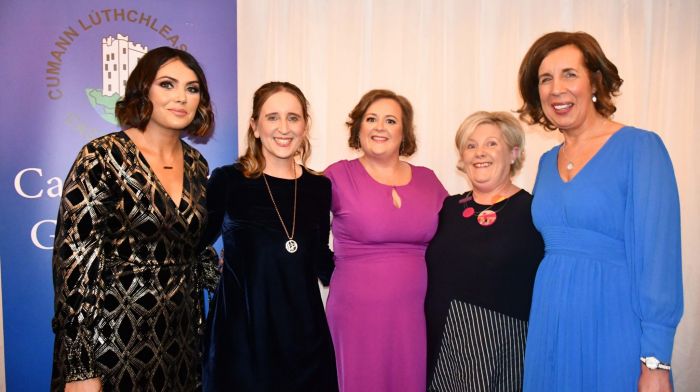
point(609, 288)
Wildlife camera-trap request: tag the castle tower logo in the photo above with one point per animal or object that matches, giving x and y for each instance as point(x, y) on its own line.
point(119, 58)
point(118, 39)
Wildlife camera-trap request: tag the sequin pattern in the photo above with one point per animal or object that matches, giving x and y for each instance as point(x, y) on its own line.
point(127, 306)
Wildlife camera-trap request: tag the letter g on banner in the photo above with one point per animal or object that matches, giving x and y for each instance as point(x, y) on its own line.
point(35, 234)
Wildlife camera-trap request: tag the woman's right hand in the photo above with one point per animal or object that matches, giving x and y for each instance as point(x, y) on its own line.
point(89, 385)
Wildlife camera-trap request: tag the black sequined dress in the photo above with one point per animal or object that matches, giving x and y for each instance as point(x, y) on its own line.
point(127, 306)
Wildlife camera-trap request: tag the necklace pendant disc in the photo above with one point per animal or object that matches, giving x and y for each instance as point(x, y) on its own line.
point(486, 218)
point(468, 212)
point(291, 246)
point(570, 165)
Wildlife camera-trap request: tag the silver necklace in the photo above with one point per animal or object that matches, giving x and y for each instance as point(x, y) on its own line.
point(569, 162)
point(290, 245)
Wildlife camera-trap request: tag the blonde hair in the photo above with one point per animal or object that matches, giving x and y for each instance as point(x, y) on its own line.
point(510, 127)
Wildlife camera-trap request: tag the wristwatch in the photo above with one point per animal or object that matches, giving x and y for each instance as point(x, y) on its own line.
point(653, 363)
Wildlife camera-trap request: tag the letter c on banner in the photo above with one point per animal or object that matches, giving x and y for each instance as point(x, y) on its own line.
point(35, 239)
point(55, 94)
point(18, 183)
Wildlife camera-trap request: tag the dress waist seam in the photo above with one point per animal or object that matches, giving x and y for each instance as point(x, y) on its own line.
point(613, 260)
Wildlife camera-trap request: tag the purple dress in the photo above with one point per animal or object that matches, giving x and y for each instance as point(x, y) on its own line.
point(377, 291)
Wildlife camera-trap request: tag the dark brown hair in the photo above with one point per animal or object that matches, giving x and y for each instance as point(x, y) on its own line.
point(134, 109)
point(408, 143)
point(602, 73)
point(253, 161)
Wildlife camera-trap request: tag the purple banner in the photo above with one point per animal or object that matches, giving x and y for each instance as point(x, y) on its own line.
point(64, 66)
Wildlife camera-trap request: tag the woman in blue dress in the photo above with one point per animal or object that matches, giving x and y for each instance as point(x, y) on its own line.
point(608, 293)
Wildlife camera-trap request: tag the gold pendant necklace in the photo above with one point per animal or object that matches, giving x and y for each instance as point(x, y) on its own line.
point(290, 245)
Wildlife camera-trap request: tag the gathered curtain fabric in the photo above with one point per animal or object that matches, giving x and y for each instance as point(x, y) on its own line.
point(453, 57)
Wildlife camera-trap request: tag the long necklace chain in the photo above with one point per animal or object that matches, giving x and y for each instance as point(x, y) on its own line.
point(290, 245)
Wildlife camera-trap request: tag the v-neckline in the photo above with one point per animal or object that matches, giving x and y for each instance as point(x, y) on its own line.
point(159, 184)
point(593, 158)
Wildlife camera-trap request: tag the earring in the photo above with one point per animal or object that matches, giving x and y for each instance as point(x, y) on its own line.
point(594, 98)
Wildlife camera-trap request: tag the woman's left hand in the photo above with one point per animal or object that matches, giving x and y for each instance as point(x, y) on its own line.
point(657, 380)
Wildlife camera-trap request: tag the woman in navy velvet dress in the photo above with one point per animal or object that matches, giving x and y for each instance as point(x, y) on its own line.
point(267, 329)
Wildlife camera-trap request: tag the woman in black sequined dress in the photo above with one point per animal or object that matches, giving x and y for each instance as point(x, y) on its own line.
point(128, 308)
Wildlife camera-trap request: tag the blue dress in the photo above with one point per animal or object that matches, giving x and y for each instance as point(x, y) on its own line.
point(609, 288)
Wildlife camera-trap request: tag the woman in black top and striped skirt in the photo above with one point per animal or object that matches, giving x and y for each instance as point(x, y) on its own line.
point(482, 264)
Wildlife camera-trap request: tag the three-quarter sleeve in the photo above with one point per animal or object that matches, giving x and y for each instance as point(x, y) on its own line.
point(653, 241)
point(77, 264)
point(208, 257)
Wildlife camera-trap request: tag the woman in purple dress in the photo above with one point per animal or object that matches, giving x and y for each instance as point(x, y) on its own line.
point(385, 212)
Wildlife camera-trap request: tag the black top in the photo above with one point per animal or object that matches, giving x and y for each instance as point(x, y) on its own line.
point(489, 266)
point(267, 329)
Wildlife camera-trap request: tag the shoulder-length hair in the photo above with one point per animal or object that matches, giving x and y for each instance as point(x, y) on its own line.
point(602, 72)
point(408, 144)
point(134, 109)
point(253, 161)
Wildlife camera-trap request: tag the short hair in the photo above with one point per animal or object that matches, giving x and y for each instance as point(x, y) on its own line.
point(134, 109)
point(408, 143)
point(510, 127)
point(253, 161)
point(607, 85)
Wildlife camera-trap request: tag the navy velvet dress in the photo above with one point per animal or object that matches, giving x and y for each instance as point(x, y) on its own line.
point(267, 329)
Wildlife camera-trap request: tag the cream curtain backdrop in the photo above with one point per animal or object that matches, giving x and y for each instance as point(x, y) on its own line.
point(453, 57)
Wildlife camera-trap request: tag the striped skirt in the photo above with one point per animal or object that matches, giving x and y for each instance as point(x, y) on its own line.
point(481, 350)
